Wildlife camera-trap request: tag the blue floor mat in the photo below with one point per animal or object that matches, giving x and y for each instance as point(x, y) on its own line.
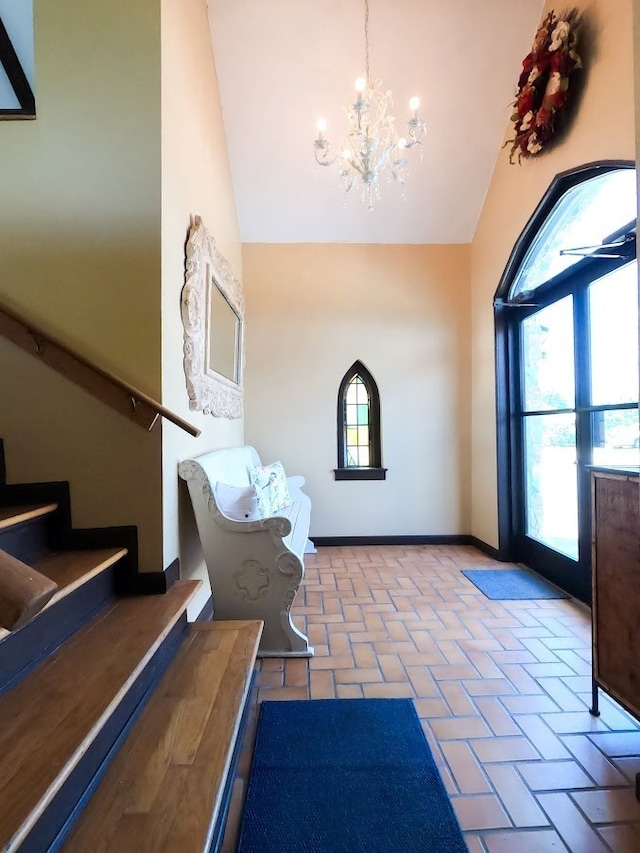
point(512, 584)
point(345, 776)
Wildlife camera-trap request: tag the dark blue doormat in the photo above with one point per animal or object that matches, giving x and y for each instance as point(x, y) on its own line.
point(345, 776)
point(512, 584)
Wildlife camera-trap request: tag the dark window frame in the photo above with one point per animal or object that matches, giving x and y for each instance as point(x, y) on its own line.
point(375, 471)
point(17, 79)
point(507, 359)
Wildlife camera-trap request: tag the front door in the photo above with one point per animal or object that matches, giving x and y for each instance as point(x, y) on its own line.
point(578, 393)
point(568, 372)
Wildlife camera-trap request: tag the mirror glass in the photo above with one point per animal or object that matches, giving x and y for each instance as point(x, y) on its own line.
point(223, 335)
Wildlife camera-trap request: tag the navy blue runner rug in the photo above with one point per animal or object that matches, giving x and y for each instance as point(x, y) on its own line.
point(345, 776)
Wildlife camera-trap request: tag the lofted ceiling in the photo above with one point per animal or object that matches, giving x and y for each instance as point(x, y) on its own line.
point(281, 64)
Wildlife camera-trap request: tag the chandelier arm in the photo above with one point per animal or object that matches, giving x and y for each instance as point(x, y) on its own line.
point(325, 160)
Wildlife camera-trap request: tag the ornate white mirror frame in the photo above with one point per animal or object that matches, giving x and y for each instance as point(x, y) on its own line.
point(209, 390)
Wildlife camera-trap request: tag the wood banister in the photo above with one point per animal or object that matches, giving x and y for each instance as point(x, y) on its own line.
point(23, 592)
point(103, 384)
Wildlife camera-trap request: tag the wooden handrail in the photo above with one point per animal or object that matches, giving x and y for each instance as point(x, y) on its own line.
point(103, 384)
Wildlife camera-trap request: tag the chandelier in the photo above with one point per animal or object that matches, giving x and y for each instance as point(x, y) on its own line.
point(371, 144)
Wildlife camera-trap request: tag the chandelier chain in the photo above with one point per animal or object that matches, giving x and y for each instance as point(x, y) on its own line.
point(366, 38)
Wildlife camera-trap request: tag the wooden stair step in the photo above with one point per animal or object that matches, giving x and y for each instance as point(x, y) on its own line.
point(86, 581)
point(70, 569)
point(12, 515)
point(50, 719)
point(164, 789)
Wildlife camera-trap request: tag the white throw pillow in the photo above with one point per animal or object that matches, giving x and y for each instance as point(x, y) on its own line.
point(238, 502)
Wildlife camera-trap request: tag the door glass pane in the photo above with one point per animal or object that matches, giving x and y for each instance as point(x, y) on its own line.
point(613, 306)
point(551, 484)
point(584, 216)
point(547, 358)
point(616, 437)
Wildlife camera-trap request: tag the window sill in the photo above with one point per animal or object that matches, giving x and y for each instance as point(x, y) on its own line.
point(360, 473)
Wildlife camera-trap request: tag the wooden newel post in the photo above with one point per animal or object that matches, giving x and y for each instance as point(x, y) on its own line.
point(23, 592)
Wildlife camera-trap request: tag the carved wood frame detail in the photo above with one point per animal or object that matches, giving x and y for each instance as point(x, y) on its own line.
point(209, 392)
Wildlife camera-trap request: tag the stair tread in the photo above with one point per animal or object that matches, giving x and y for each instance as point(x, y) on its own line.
point(70, 569)
point(165, 784)
point(48, 721)
point(12, 515)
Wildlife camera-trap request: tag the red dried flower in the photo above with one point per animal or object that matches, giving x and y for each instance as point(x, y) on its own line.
point(543, 84)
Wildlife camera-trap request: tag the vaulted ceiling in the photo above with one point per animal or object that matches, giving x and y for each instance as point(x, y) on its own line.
point(283, 63)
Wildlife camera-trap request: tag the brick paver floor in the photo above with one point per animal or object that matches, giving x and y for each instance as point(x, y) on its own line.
point(502, 689)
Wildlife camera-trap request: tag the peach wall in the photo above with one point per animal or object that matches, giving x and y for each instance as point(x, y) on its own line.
point(196, 179)
point(603, 129)
point(80, 213)
point(312, 310)
point(80, 255)
point(97, 195)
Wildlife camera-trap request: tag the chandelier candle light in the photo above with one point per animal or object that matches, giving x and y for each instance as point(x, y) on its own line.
point(371, 143)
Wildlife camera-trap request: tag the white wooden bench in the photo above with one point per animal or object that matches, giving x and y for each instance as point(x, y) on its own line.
point(255, 566)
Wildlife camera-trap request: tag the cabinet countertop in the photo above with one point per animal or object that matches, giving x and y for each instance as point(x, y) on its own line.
point(624, 470)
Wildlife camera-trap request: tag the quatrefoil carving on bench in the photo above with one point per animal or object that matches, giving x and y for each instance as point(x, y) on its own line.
point(252, 581)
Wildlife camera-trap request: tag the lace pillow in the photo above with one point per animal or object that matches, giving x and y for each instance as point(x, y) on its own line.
point(238, 502)
point(270, 482)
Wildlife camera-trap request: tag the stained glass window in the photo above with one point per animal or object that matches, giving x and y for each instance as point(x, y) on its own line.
point(359, 449)
point(357, 429)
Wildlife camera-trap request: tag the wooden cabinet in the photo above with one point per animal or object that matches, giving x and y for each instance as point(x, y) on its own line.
point(616, 586)
point(616, 589)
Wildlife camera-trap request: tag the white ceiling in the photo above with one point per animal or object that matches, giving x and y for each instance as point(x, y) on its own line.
point(283, 63)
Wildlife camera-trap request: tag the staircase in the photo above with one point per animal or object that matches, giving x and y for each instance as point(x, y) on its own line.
point(117, 717)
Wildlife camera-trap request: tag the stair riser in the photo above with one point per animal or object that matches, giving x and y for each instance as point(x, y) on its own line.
point(39, 493)
point(28, 541)
point(57, 821)
point(25, 648)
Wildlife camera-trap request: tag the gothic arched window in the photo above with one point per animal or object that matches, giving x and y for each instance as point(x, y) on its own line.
point(359, 446)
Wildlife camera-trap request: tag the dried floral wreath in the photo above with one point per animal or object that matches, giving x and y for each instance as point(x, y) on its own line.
point(543, 86)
